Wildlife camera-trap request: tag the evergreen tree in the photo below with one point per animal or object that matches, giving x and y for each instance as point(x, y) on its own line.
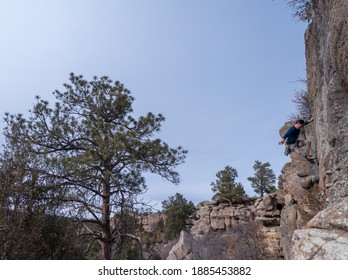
point(32, 225)
point(264, 179)
point(225, 188)
point(128, 244)
point(95, 152)
point(177, 210)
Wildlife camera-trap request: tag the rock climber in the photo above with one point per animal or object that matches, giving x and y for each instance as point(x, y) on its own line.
point(291, 136)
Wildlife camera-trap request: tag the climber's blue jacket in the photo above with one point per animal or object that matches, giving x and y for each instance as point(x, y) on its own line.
point(292, 134)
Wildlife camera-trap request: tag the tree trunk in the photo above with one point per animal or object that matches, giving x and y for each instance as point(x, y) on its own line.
point(106, 234)
point(106, 249)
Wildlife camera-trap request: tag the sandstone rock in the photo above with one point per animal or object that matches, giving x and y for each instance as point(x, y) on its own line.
point(150, 220)
point(257, 203)
point(269, 202)
point(320, 244)
point(217, 219)
point(183, 249)
point(288, 224)
point(327, 72)
point(221, 217)
point(269, 222)
point(334, 216)
point(314, 220)
point(288, 200)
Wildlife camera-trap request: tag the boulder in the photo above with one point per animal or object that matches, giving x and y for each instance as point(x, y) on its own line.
point(182, 250)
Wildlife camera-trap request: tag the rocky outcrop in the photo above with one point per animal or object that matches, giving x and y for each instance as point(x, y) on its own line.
point(182, 250)
point(150, 220)
point(320, 244)
point(325, 236)
point(213, 216)
point(314, 220)
point(303, 198)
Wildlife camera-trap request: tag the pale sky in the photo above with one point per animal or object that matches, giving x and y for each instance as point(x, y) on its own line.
point(222, 72)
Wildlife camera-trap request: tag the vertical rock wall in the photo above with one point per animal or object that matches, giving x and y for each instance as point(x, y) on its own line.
point(327, 72)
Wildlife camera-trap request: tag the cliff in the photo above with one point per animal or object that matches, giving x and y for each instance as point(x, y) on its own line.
point(314, 221)
point(213, 217)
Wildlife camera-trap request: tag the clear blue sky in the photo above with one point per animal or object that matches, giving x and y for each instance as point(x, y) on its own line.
point(222, 72)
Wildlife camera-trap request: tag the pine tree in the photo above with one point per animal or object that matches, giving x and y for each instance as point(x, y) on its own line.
point(177, 210)
point(226, 188)
point(95, 152)
point(32, 224)
point(264, 179)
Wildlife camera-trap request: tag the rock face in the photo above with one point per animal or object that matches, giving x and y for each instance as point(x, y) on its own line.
point(326, 235)
point(150, 220)
point(327, 71)
point(183, 249)
point(211, 216)
point(314, 220)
